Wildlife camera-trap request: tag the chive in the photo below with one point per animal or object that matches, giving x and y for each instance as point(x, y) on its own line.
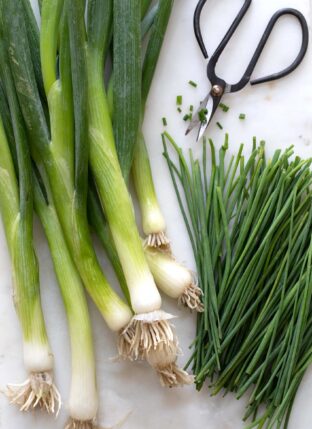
point(202, 116)
point(164, 121)
point(219, 125)
point(242, 116)
point(191, 108)
point(187, 117)
point(192, 83)
point(179, 100)
point(224, 107)
point(179, 109)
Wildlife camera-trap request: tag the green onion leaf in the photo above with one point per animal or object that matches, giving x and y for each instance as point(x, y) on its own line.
point(127, 79)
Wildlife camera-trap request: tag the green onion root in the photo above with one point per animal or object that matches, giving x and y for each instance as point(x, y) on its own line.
point(164, 360)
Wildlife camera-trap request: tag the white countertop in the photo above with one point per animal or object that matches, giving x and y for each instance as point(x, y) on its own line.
point(281, 114)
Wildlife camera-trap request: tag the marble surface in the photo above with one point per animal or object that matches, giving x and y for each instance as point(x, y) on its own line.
point(280, 113)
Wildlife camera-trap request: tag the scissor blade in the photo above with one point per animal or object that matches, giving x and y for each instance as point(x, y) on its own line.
point(204, 125)
point(196, 121)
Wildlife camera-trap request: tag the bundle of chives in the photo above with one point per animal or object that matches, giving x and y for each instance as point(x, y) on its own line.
point(257, 229)
point(65, 157)
point(16, 204)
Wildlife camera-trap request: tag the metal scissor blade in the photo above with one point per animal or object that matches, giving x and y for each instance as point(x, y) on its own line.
point(204, 125)
point(196, 121)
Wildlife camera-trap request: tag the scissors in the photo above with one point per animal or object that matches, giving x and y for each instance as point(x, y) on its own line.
point(219, 87)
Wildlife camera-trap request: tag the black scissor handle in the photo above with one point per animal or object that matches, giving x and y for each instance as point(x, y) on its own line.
point(300, 56)
point(227, 37)
point(304, 46)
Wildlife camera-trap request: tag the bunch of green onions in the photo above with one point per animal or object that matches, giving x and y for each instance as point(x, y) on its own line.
point(39, 390)
point(80, 160)
point(250, 225)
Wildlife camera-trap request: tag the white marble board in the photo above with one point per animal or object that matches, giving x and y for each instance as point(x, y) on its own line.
point(280, 113)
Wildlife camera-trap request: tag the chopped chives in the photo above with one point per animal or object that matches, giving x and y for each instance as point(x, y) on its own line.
point(224, 107)
point(242, 116)
point(179, 100)
point(164, 121)
point(179, 109)
point(192, 83)
point(220, 126)
point(191, 108)
point(187, 117)
point(202, 115)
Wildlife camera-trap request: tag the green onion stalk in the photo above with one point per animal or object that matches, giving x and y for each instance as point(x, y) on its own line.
point(170, 276)
point(16, 205)
point(150, 325)
point(83, 399)
point(63, 155)
point(68, 149)
point(163, 358)
point(153, 221)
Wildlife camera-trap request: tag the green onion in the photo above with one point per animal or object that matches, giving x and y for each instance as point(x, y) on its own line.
point(16, 205)
point(117, 205)
point(152, 218)
point(179, 100)
point(164, 121)
point(242, 116)
point(127, 79)
point(154, 46)
point(179, 109)
point(83, 400)
point(187, 117)
point(146, 25)
point(145, 4)
point(174, 279)
point(34, 42)
point(192, 83)
point(219, 125)
point(191, 108)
